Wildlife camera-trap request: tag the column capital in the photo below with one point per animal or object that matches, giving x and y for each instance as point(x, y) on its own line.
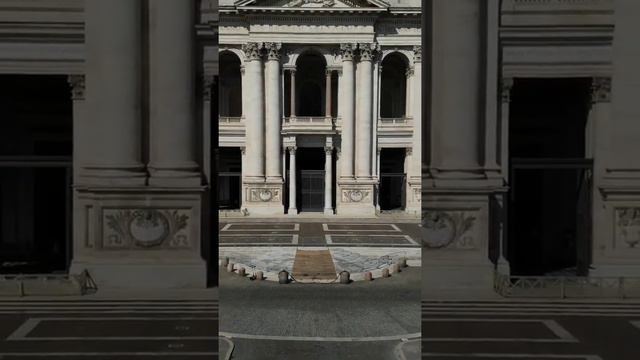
point(409, 72)
point(76, 82)
point(328, 150)
point(328, 72)
point(417, 53)
point(292, 149)
point(506, 84)
point(252, 51)
point(600, 90)
point(408, 151)
point(273, 51)
point(243, 150)
point(368, 51)
point(347, 51)
point(378, 150)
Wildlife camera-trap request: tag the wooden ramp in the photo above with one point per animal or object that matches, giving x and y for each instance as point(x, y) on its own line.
point(314, 266)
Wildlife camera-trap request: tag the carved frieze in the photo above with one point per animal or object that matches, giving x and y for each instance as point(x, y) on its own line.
point(628, 226)
point(445, 229)
point(145, 228)
point(265, 195)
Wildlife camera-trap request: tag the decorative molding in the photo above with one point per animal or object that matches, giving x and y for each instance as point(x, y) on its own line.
point(628, 225)
point(145, 228)
point(354, 195)
point(264, 195)
point(448, 229)
point(600, 90)
point(77, 84)
point(367, 51)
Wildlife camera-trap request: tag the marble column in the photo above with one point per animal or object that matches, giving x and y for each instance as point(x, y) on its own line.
point(172, 122)
point(347, 110)
point(113, 103)
point(408, 110)
point(328, 177)
point(364, 120)
point(273, 117)
point(506, 85)
point(293, 93)
point(415, 102)
point(208, 81)
point(255, 169)
point(327, 103)
point(293, 210)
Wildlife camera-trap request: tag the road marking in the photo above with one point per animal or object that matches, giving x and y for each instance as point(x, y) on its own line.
point(141, 353)
point(329, 238)
point(514, 356)
point(318, 338)
point(563, 336)
point(393, 227)
point(228, 227)
point(22, 332)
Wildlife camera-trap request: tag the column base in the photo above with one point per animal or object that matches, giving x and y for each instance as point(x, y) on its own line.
point(356, 198)
point(329, 211)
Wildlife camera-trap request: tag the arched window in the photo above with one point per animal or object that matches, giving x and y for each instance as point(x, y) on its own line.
point(230, 85)
point(310, 85)
point(393, 99)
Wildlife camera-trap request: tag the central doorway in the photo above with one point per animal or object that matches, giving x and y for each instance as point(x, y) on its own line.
point(310, 194)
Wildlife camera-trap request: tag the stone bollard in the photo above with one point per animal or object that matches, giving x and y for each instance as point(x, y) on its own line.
point(402, 262)
point(225, 262)
point(395, 268)
point(368, 276)
point(344, 277)
point(259, 275)
point(385, 272)
point(283, 277)
point(230, 267)
point(242, 272)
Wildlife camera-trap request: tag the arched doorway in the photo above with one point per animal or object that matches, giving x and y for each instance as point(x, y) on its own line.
point(310, 85)
point(230, 101)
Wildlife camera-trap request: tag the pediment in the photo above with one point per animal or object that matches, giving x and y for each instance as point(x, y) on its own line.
point(313, 3)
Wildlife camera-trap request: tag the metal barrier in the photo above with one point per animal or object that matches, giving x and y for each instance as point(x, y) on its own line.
point(564, 287)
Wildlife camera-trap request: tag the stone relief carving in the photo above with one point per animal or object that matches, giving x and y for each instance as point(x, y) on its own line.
point(273, 50)
point(354, 195)
point(628, 225)
point(145, 228)
point(347, 51)
point(324, 3)
point(264, 194)
point(368, 51)
point(446, 229)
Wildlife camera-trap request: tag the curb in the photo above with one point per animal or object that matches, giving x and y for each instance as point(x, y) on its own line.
point(231, 347)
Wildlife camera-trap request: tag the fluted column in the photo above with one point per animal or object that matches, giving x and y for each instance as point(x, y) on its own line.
point(415, 102)
point(273, 117)
point(347, 110)
point(172, 93)
point(293, 210)
point(113, 67)
point(328, 176)
point(255, 112)
point(364, 117)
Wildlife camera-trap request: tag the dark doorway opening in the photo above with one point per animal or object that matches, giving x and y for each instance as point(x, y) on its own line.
point(310, 85)
point(392, 179)
point(550, 178)
point(35, 174)
point(310, 180)
point(229, 178)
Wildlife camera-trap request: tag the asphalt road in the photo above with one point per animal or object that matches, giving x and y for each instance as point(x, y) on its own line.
point(362, 320)
point(530, 330)
point(109, 329)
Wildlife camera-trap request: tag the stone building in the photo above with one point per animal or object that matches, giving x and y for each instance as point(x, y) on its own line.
point(105, 140)
point(320, 107)
point(531, 140)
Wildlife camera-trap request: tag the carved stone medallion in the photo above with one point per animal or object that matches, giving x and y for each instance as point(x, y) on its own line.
point(144, 228)
point(444, 229)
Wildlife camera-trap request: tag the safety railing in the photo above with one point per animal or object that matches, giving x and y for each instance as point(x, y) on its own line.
point(564, 287)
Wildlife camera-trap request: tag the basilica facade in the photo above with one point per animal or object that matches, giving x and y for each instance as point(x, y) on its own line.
point(320, 108)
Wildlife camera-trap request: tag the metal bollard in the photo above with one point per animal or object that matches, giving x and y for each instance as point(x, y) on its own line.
point(242, 272)
point(344, 277)
point(385, 272)
point(402, 262)
point(259, 275)
point(230, 267)
point(368, 276)
point(225, 262)
point(283, 277)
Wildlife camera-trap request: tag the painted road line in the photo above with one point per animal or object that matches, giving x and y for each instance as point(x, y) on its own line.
point(562, 335)
point(256, 227)
point(513, 356)
point(334, 239)
point(394, 228)
point(319, 338)
point(22, 332)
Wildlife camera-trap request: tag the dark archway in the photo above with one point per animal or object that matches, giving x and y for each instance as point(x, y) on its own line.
point(393, 99)
point(310, 84)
